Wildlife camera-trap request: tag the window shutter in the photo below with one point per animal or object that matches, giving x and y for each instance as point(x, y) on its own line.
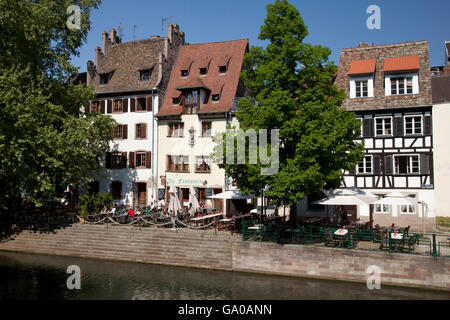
point(149, 104)
point(132, 105)
point(125, 131)
point(131, 159)
point(148, 160)
point(376, 164)
point(108, 160)
point(144, 131)
point(109, 106)
point(398, 126)
point(388, 168)
point(125, 105)
point(102, 106)
point(424, 163)
point(124, 160)
point(427, 125)
point(368, 129)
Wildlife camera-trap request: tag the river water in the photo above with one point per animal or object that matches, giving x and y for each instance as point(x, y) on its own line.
point(30, 276)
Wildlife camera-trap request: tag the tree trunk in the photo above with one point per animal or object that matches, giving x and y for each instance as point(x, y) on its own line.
point(293, 215)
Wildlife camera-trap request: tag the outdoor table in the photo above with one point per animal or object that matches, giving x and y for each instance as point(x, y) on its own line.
point(340, 237)
point(206, 217)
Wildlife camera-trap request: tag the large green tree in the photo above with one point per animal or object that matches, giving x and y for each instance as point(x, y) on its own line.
point(45, 139)
point(292, 83)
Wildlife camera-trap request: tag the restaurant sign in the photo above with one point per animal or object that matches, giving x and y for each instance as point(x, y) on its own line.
point(182, 181)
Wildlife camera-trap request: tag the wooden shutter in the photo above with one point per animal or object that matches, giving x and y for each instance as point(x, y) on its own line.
point(427, 125)
point(144, 131)
point(148, 160)
point(388, 166)
point(125, 131)
point(132, 105)
point(131, 159)
point(398, 126)
point(149, 104)
point(109, 106)
point(108, 160)
point(376, 164)
point(102, 106)
point(124, 160)
point(125, 105)
point(368, 129)
point(424, 163)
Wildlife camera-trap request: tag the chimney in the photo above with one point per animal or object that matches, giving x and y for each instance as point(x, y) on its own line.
point(98, 57)
point(113, 35)
point(106, 43)
point(90, 72)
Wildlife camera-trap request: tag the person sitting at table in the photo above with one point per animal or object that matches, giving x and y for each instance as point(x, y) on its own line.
point(104, 210)
point(130, 211)
point(191, 211)
point(153, 206)
point(113, 210)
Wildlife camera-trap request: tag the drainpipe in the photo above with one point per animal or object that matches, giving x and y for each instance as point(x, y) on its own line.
point(154, 163)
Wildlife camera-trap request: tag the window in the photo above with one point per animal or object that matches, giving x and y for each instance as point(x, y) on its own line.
point(141, 104)
point(141, 131)
point(215, 97)
point(413, 124)
point(145, 75)
point(184, 73)
point(178, 163)
point(408, 209)
point(176, 101)
point(118, 105)
point(222, 69)
point(206, 129)
point(365, 166)
point(406, 164)
point(192, 102)
point(118, 161)
point(203, 164)
point(104, 78)
point(94, 187)
point(141, 159)
point(361, 88)
point(203, 71)
point(95, 106)
point(176, 129)
point(401, 85)
point(383, 126)
point(116, 190)
point(118, 132)
point(382, 208)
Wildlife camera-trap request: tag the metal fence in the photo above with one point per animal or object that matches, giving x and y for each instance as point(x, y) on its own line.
point(354, 238)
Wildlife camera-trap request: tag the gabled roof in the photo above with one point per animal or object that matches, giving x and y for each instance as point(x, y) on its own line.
point(196, 56)
point(127, 60)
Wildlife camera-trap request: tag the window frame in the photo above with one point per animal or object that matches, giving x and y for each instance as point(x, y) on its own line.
point(142, 72)
point(137, 126)
point(113, 192)
point(408, 206)
point(180, 163)
point(141, 154)
point(203, 135)
point(413, 125)
point(199, 169)
point(114, 106)
point(382, 206)
point(138, 103)
point(365, 166)
point(179, 129)
point(120, 128)
point(189, 105)
point(370, 86)
point(384, 126)
point(409, 164)
point(388, 82)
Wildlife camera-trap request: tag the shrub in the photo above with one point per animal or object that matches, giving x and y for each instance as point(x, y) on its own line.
point(94, 202)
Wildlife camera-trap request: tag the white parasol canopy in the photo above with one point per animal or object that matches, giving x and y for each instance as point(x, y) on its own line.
point(174, 201)
point(396, 199)
point(232, 194)
point(193, 199)
point(349, 197)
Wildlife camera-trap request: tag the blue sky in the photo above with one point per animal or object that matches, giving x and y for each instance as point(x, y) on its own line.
point(332, 23)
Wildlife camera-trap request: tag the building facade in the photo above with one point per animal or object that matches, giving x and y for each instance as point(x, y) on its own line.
point(200, 101)
point(130, 80)
point(388, 88)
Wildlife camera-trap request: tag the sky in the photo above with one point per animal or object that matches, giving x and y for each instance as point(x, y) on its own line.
point(336, 24)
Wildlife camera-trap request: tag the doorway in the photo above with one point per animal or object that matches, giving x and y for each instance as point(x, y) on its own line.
point(142, 194)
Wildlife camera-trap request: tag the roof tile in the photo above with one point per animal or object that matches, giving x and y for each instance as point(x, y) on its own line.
point(362, 67)
point(402, 63)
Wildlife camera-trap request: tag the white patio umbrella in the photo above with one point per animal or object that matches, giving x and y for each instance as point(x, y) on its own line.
point(193, 199)
point(396, 199)
point(174, 201)
point(347, 197)
point(232, 194)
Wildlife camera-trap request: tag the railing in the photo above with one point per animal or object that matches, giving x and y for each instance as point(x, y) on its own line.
point(356, 239)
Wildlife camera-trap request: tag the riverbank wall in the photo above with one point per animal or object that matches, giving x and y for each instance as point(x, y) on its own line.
point(225, 251)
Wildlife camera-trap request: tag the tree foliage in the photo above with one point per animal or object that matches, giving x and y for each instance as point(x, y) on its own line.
point(292, 82)
point(45, 139)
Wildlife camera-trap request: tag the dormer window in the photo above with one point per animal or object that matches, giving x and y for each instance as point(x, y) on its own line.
point(176, 101)
point(203, 71)
point(145, 75)
point(401, 75)
point(361, 75)
point(104, 78)
point(192, 101)
point(215, 97)
point(222, 69)
point(184, 73)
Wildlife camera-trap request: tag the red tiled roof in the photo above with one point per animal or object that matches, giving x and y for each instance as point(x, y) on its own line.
point(402, 63)
point(362, 67)
point(216, 52)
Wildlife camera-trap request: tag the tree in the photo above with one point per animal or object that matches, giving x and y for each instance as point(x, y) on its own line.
point(292, 82)
point(45, 138)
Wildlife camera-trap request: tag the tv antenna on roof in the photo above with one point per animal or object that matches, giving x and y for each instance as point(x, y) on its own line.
point(120, 29)
point(163, 20)
point(134, 31)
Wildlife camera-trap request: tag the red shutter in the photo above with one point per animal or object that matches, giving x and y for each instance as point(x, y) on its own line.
point(102, 106)
point(132, 105)
point(125, 105)
point(125, 131)
point(149, 104)
point(109, 104)
point(148, 160)
point(131, 158)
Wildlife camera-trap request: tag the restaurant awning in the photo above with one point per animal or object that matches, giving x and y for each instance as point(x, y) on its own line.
point(232, 194)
